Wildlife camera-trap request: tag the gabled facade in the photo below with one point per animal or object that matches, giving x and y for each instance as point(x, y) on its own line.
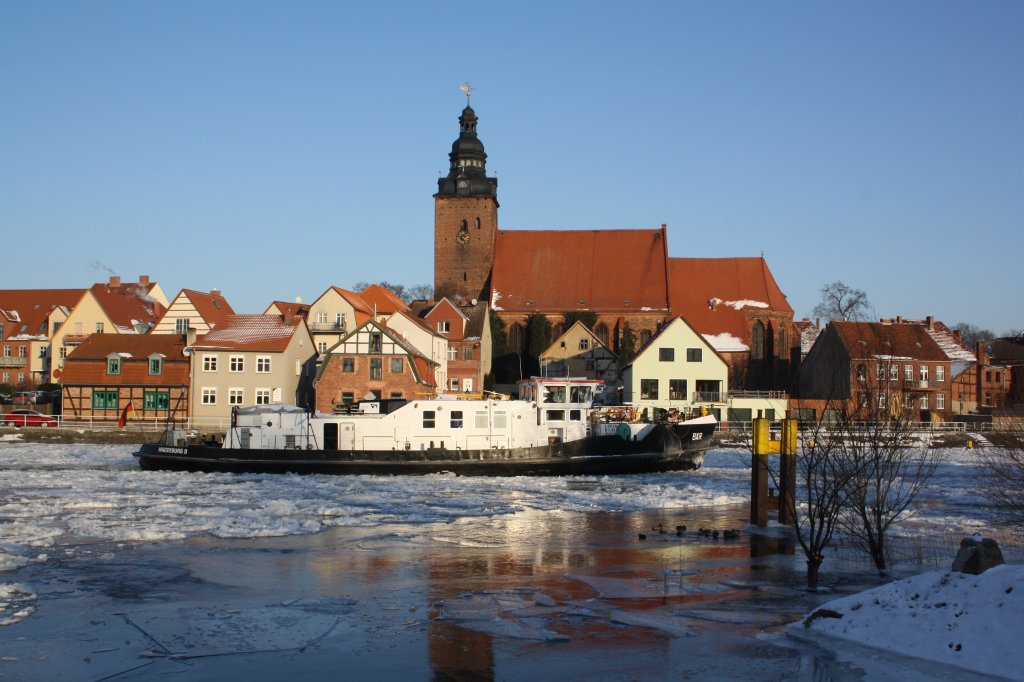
point(196, 310)
point(738, 307)
point(333, 315)
point(579, 353)
point(468, 331)
point(107, 372)
point(110, 308)
point(288, 310)
point(251, 360)
point(879, 370)
point(428, 342)
point(372, 360)
point(28, 320)
point(679, 369)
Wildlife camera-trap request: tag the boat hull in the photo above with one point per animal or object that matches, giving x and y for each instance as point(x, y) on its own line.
point(668, 447)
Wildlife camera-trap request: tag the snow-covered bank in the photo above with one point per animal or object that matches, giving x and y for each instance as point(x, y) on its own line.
point(971, 621)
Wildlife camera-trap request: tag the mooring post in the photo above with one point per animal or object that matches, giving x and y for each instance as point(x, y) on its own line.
point(759, 472)
point(787, 472)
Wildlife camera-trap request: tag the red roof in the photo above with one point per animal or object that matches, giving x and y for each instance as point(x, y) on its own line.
point(289, 310)
point(565, 270)
point(212, 307)
point(251, 332)
point(88, 363)
point(716, 294)
point(383, 300)
point(128, 305)
point(864, 340)
point(24, 311)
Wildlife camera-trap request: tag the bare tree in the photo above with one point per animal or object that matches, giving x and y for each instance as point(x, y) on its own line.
point(1004, 468)
point(407, 294)
point(823, 485)
point(889, 465)
point(840, 302)
point(970, 334)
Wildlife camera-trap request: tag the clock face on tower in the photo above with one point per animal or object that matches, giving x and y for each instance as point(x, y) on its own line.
point(462, 237)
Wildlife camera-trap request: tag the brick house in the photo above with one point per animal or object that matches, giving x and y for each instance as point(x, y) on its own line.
point(1008, 352)
point(251, 360)
point(196, 310)
point(28, 320)
point(880, 370)
point(468, 332)
point(372, 360)
point(109, 371)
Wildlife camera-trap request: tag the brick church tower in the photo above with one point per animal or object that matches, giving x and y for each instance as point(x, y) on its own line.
point(465, 218)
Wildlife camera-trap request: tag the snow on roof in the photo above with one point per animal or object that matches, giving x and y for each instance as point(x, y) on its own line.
point(495, 296)
point(738, 305)
point(949, 345)
point(725, 343)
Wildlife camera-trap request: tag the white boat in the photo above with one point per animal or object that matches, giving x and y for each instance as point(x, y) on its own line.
point(552, 429)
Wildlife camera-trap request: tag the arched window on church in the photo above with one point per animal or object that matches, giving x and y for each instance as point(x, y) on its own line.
point(757, 341)
point(769, 342)
point(515, 338)
point(464, 226)
point(783, 348)
point(645, 337)
point(601, 331)
point(478, 223)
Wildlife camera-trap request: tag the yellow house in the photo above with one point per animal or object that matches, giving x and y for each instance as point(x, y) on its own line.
point(108, 308)
point(336, 313)
point(677, 368)
point(579, 353)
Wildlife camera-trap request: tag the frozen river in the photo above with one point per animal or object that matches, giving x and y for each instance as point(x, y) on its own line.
point(109, 572)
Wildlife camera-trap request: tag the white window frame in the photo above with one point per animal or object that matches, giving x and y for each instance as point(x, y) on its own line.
point(940, 401)
point(908, 372)
point(209, 363)
point(453, 353)
point(236, 364)
point(236, 395)
point(940, 374)
point(208, 395)
point(443, 326)
point(263, 396)
point(923, 373)
point(924, 401)
point(263, 364)
point(181, 325)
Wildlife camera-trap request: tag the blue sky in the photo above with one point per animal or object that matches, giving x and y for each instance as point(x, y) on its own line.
point(273, 149)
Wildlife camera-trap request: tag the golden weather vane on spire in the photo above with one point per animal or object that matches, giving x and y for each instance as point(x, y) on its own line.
point(468, 89)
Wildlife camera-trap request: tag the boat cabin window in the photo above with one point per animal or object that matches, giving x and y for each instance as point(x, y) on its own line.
point(428, 419)
point(581, 394)
point(456, 419)
point(480, 420)
point(554, 415)
point(575, 415)
point(501, 420)
point(554, 394)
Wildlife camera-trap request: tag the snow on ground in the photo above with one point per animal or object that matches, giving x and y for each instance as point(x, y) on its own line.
point(971, 621)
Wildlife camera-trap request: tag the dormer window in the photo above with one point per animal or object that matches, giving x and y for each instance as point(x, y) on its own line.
point(113, 364)
point(156, 364)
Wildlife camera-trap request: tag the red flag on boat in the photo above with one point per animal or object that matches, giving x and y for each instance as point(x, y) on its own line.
point(128, 410)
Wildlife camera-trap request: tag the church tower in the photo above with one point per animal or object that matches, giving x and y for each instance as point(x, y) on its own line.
point(465, 218)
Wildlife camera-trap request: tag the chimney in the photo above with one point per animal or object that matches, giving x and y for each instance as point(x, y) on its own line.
point(143, 280)
point(899, 318)
point(115, 281)
point(190, 336)
point(214, 292)
point(982, 359)
point(930, 321)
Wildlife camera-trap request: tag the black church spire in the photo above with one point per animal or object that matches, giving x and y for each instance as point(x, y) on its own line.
point(467, 176)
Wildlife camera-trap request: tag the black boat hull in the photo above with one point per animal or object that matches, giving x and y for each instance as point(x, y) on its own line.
point(668, 447)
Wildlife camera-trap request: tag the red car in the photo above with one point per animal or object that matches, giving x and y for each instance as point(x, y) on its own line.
point(27, 418)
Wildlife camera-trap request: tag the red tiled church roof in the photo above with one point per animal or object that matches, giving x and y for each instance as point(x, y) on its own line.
point(554, 271)
point(714, 295)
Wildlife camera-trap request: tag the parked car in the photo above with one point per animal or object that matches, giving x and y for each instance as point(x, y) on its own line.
point(5, 399)
point(27, 418)
point(23, 398)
